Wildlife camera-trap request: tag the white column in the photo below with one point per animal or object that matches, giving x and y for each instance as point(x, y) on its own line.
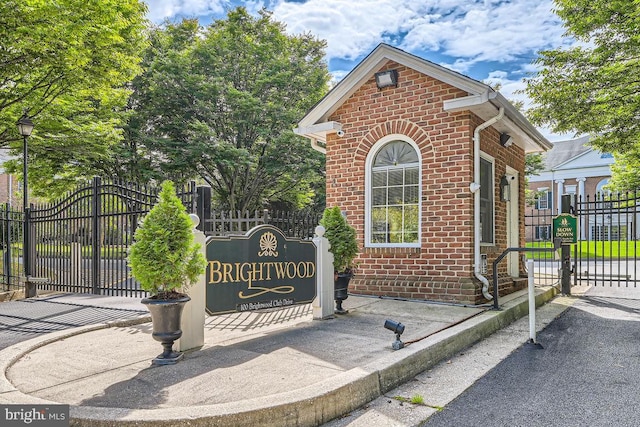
point(582, 197)
point(193, 315)
point(323, 305)
point(560, 191)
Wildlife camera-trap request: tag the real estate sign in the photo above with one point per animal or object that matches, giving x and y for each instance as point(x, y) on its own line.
point(565, 228)
point(261, 269)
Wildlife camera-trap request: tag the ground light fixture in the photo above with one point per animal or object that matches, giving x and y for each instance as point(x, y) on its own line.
point(397, 328)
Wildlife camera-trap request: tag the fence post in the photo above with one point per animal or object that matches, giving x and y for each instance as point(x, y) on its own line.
point(193, 314)
point(323, 303)
point(203, 207)
point(95, 236)
point(565, 252)
point(6, 241)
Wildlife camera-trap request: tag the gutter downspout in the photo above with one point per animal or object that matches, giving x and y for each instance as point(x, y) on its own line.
point(475, 189)
point(317, 147)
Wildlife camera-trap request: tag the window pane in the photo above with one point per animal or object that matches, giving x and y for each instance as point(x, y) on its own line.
point(379, 238)
point(411, 194)
point(396, 153)
point(411, 218)
point(379, 196)
point(395, 218)
point(395, 237)
point(396, 177)
point(410, 237)
point(486, 201)
point(379, 178)
point(379, 220)
point(395, 195)
point(411, 176)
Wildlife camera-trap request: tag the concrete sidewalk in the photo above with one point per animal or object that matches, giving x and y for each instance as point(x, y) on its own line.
point(267, 368)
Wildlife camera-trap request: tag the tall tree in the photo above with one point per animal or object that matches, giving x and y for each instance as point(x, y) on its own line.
point(593, 87)
point(223, 106)
point(66, 63)
point(160, 107)
point(625, 177)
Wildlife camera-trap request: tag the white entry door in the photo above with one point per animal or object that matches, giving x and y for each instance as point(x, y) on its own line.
point(513, 223)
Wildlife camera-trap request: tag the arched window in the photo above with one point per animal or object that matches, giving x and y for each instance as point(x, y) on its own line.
point(393, 193)
point(600, 188)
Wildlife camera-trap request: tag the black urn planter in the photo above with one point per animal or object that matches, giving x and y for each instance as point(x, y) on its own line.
point(341, 287)
point(165, 316)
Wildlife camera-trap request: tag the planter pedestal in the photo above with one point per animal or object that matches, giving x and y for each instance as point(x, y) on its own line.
point(165, 316)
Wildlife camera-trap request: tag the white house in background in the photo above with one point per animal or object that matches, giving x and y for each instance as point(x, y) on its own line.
point(571, 167)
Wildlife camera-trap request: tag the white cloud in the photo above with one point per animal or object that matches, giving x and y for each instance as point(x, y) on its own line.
point(351, 28)
point(161, 9)
point(471, 30)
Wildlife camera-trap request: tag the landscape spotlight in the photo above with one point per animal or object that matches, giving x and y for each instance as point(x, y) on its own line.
point(397, 328)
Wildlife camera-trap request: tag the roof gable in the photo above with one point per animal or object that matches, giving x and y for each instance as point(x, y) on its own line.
point(371, 64)
point(575, 154)
point(481, 100)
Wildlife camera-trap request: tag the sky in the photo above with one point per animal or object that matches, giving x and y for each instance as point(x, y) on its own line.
point(493, 41)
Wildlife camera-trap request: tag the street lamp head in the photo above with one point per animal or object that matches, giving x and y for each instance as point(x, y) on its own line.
point(25, 125)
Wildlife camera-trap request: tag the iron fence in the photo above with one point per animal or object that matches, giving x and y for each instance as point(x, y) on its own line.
point(538, 229)
point(608, 240)
point(79, 243)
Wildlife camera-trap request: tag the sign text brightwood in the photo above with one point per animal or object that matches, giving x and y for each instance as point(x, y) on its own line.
point(262, 269)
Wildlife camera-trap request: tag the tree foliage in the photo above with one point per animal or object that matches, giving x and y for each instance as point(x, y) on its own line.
point(164, 256)
point(221, 103)
point(342, 239)
point(625, 176)
point(66, 63)
point(593, 86)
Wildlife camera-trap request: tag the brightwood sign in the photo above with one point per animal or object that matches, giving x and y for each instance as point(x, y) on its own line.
point(262, 269)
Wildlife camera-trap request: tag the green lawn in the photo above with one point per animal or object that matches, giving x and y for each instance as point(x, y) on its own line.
point(600, 249)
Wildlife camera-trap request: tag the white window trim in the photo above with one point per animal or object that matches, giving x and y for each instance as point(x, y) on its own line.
point(491, 160)
point(544, 195)
point(367, 184)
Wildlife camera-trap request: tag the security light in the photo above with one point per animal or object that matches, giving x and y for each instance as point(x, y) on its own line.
point(506, 140)
point(387, 78)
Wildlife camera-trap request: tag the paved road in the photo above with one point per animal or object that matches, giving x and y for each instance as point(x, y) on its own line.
point(587, 374)
point(25, 319)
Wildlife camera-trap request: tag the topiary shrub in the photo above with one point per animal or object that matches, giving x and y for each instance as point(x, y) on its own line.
point(342, 238)
point(164, 256)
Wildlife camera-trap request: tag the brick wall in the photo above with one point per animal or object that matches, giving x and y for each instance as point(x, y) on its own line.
point(442, 268)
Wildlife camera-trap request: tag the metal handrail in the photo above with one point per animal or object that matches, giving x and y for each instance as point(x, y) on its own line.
point(556, 246)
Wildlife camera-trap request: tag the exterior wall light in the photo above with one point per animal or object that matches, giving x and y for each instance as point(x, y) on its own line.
point(505, 191)
point(387, 78)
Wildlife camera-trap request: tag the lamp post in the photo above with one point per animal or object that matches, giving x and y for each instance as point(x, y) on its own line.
point(25, 127)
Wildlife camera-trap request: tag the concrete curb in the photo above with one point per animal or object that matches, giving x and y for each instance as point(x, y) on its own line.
point(310, 406)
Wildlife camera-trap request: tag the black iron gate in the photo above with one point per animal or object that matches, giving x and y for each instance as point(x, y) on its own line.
point(607, 251)
point(79, 243)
